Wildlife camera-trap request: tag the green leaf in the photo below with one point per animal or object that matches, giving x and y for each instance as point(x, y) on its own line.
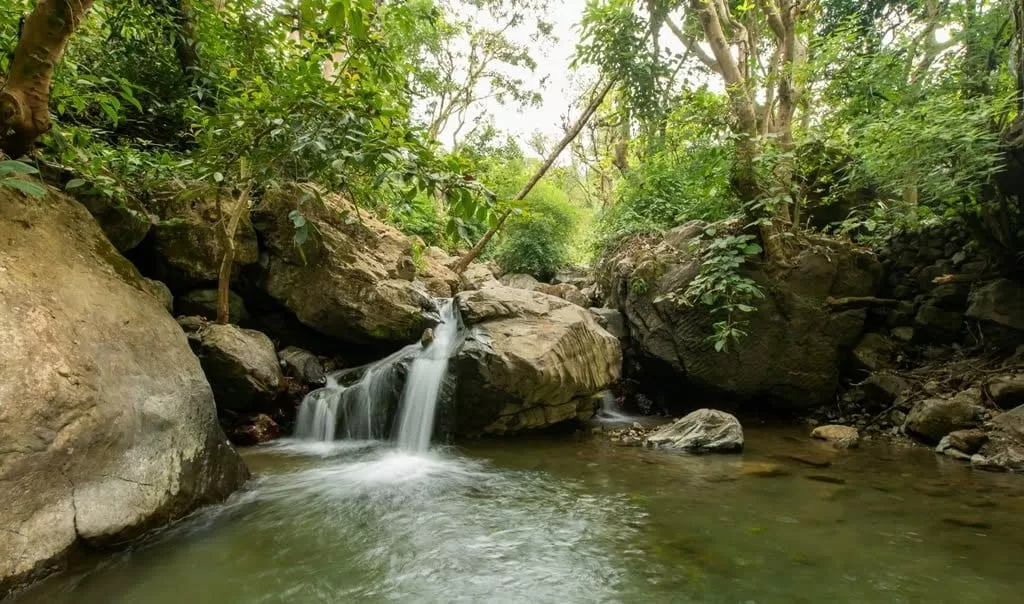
point(74, 183)
point(13, 166)
point(218, 177)
point(27, 187)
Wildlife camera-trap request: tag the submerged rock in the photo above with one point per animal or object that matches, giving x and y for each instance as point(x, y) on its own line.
point(795, 342)
point(841, 437)
point(529, 360)
point(702, 430)
point(241, 364)
point(107, 422)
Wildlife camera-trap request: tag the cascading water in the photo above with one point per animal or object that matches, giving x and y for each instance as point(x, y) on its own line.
point(362, 407)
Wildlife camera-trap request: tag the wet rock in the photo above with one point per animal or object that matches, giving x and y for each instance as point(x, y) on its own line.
point(1000, 302)
point(763, 469)
point(874, 352)
point(529, 360)
point(520, 281)
point(967, 441)
point(241, 364)
point(809, 459)
point(882, 390)
point(933, 418)
point(349, 279)
point(108, 424)
point(254, 430)
point(612, 320)
point(825, 478)
point(427, 338)
point(841, 437)
point(935, 324)
point(203, 303)
point(302, 365)
point(702, 430)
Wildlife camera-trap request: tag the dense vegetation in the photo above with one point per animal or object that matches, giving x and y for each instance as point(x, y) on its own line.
point(792, 114)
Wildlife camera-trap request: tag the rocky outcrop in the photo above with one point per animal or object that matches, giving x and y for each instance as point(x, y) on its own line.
point(478, 276)
point(186, 248)
point(704, 430)
point(933, 418)
point(240, 364)
point(107, 422)
point(565, 291)
point(795, 343)
point(520, 281)
point(345, 274)
point(529, 360)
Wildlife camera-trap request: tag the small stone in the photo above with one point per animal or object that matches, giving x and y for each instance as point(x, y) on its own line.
point(257, 429)
point(841, 437)
point(427, 338)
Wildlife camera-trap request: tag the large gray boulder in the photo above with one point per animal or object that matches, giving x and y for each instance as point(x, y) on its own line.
point(704, 430)
point(107, 422)
point(349, 276)
point(529, 361)
point(796, 341)
point(240, 364)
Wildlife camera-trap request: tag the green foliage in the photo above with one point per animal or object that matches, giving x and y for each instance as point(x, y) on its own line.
point(537, 241)
point(10, 173)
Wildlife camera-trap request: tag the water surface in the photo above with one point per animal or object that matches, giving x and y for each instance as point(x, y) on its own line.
point(583, 520)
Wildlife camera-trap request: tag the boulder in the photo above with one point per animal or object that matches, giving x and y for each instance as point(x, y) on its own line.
point(882, 390)
point(348, 278)
point(303, 366)
point(1000, 302)
point(477, 276)
point(967, 442)
point(253, 430)
point(107, 422)
point(186, 248)
point(241, 364)
point(433, 270)
point(932, 323)
point(203, 303)
point(1004, 450)
point(841, 437)
point(874, 352)
point(161, 292)
point(933, 418)
point(704, 430)
point(529, 360)
point(520, 281)
point(795, 342)
point(1007, 391)
point(566, 292)
point(612, 321)
point(577, 276)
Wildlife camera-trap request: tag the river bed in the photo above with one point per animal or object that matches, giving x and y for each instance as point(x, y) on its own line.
point(582, 520)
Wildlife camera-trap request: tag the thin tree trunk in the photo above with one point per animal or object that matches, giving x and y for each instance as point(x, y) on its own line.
point(228, 228)
point(25, 98)
point(571, 135)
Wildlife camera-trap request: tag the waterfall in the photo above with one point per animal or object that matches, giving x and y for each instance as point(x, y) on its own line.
point(358, 403)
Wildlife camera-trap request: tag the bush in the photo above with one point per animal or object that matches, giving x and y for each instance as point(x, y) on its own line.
point(538, 241)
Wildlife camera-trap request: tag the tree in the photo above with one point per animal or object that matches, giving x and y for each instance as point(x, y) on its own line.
point(25, 97)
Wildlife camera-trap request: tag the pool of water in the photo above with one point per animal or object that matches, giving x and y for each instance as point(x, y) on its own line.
point(582, 520)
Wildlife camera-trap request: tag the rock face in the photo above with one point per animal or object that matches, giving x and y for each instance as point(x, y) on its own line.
point(520, 281)
point(702, 430)
point(1000, 302)
point(240, 364)
point(352, 277)
point(933, 418)
point(565, 291)
point(107, 422)
point(529, 360)
point(795, 345)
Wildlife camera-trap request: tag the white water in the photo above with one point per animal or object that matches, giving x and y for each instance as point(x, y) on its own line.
point(423, 386)
point(360, 408)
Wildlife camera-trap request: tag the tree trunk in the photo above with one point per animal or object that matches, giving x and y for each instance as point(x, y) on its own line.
point(228, 228)
point(25, 98)
point(571, 135)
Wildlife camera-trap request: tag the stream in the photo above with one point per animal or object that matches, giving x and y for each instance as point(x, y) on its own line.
point(581, 520)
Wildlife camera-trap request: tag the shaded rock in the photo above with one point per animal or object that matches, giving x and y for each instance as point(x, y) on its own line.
point(520, 281)
point(902, 334)
point(240, 364)
point(882, 390)
point(874, 352)
point(529, 360)
point(933, 418)
point(161, 292)
point(1004, 450)
point(612, 320)
point(935, 324)
point(302, 365)
point(1000, 302)
point(1007, 391)
point(576, 276)
point(348, 279)
point(203, 303)
point(566, 292)
point(186, 241)
point(254, 430)
point(107, 422)
point(966, 441)
point(795, 344)
point(841, 437)
point(702, 430)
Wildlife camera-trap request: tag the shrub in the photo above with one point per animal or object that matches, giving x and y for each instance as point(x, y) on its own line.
point(538, 240)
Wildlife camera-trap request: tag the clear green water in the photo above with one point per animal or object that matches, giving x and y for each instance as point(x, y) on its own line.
point(567, 520)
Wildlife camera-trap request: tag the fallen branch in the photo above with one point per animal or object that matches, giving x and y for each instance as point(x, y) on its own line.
point(860, 302)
